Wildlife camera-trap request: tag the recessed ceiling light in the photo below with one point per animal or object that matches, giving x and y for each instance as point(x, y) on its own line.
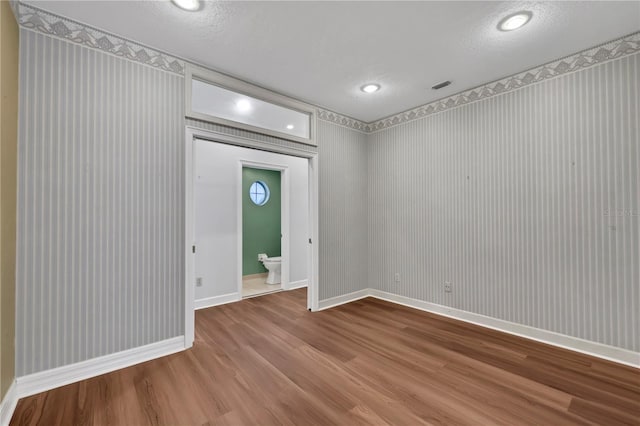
point(290, 126)
point(515, 21)
point(243, 105)
point(190, 5)
point(370, 88)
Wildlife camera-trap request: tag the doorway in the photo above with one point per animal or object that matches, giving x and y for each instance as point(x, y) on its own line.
point(263, 208)
point(223, 241)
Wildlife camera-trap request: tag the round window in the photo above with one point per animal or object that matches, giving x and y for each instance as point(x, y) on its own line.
point(259, 193)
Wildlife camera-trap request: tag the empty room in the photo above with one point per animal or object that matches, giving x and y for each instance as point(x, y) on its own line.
point(319, 212)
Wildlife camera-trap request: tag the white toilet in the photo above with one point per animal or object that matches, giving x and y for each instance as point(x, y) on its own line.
point(273, 265)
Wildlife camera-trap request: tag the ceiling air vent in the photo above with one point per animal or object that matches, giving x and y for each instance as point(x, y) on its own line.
point(441, 85)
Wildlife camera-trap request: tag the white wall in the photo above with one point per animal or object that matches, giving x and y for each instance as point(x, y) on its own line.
point(216, 192)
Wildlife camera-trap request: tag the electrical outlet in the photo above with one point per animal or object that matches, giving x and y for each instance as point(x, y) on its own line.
point(396, 277)
point(447, 287)
point(199, 282)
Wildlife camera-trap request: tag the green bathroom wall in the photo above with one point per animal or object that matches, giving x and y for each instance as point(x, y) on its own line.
point(260, 224)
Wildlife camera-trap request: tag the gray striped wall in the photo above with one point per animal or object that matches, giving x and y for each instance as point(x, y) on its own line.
point(101, 204)
point(342, 201)
point(101, 190)
point(527, 202)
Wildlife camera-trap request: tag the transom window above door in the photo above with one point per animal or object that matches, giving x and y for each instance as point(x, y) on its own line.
point(231, 102)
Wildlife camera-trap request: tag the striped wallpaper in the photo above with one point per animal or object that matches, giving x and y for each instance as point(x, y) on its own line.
point(101, 190)
point(527, 202)
point(101, 203)
point(343, 210)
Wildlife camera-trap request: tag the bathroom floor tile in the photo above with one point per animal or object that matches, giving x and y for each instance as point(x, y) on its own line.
point(255, 286)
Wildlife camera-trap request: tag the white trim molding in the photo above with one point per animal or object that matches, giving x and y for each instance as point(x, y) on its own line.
point(50, 379)
point(345, 298)
point(8, 404)
point(599, 350)
point(576, 344)
point(295, 285)
point(208, 302)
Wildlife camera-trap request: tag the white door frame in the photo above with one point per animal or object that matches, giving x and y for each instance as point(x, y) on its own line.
point(285, 217)
point(193, 133)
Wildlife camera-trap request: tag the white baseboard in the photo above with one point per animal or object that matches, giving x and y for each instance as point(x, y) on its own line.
point(297, 284)
point(341, 300)
point(42, 381)
point(60, 376)
point(8, 404)
point(599, 350)
point(216, 300)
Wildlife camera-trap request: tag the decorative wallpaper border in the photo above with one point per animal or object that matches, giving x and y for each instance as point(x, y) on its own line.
point(40, 20)
point(48, 23)
point(605, 52)
point(57, 26)
point(342, 120)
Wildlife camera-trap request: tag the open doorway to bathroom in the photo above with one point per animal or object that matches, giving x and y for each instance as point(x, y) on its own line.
point(261, 203)
point(224, 251)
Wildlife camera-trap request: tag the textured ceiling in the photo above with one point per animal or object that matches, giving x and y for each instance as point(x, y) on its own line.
point(322, 52)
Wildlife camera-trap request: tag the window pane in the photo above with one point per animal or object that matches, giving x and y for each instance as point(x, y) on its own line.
point(212, 100)
point(259, 193)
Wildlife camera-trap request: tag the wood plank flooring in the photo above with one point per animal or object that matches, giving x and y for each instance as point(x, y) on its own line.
point(267, 360)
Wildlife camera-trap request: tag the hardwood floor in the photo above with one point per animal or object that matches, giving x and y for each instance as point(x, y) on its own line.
point(267, 360)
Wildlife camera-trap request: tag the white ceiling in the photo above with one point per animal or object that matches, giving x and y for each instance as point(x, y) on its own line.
point(322, 52)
